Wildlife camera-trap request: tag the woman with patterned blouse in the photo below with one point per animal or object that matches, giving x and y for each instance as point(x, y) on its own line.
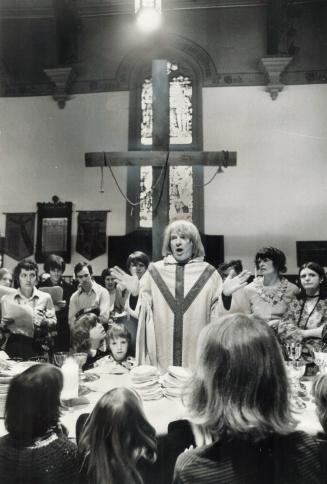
point(268, 296)
point(306, 318)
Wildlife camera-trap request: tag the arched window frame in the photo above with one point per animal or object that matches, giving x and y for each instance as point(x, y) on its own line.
point(195, 61)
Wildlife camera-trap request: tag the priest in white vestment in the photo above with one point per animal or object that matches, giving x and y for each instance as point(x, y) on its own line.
point(178, 296)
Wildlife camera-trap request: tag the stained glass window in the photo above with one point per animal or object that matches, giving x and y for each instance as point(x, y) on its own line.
point(146, 196)
point(180, 118)
point(180, 108)
point(180, 192)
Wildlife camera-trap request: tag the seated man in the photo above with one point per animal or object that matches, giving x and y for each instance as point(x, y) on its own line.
point(88, 294)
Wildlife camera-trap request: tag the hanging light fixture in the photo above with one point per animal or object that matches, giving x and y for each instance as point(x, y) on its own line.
point(148, 14)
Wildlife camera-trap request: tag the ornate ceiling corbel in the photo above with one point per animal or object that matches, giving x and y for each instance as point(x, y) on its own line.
point(62, 78)
point(273, 66)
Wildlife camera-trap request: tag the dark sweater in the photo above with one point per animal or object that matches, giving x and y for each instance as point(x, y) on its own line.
point(280, 459)
point(52, 461)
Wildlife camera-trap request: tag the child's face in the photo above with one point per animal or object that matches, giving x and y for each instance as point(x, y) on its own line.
point(118, 347)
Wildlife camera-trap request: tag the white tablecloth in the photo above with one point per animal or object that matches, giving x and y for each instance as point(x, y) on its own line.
point(158, 412)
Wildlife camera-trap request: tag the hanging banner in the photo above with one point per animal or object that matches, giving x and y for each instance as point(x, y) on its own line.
point(91, 234)
point(19, 241)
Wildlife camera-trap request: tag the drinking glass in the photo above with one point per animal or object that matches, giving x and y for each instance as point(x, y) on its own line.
point(60, 358)
point(293, 351)
point(295, 370)
point(80, 359)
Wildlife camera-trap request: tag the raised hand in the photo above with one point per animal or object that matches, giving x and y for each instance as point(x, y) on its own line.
point(234, 282)
point(131, 283)
point(97, 335)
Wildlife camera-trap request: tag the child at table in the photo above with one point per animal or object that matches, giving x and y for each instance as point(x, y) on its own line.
point(119, 342)
point(116, 442)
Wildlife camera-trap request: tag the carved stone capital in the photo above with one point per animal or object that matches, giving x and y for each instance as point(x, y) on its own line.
point(62, 78)
point(273, 66)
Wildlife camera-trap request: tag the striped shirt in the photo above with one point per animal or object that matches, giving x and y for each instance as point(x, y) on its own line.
point(280, 459)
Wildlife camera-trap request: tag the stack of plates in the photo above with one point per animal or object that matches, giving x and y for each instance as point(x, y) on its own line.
point(145, 380)
point(8, 369)
point(5, 379)
point(174, 381)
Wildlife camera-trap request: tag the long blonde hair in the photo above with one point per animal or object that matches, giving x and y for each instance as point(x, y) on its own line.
point(240, 386)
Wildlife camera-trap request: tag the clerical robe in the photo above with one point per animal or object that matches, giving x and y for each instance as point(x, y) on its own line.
point(176, 302)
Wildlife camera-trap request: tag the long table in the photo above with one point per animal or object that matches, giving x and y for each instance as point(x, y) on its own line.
point(158, 412)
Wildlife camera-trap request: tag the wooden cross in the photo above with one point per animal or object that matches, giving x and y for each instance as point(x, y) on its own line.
point(157, 158)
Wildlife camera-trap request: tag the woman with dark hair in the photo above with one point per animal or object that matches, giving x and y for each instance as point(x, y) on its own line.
point(239, 396)
point(137, 265)
point(55, 267)
point(33, 334)
point(36, 450)
point(268, 296)
point(117, 443)
point(305, 321)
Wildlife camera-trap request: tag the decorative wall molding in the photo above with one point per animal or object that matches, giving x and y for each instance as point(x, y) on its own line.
point(62, 78)
point(233, 79)
point(91, 8)
point(274, 66)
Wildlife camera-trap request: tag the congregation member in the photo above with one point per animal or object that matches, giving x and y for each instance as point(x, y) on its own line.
point(88, 294)
point(137, 264)
point(239, 396)
point(319, 392)
point(225, 268)
point(119, 359)
point(6, 277)
point(116, 294)
point(36, 448)
point(178, 297)
point(116, 442)
point(55, 267)
point(88, 336)
point(305, 321)
point(270, 293)
point(32, 332)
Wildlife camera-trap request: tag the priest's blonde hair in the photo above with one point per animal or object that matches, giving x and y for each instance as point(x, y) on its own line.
point(187, 228)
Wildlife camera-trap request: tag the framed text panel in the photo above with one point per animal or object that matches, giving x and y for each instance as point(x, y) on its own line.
point(54, 222)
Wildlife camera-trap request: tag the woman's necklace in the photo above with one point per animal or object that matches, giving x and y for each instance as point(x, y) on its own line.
point(310, 306)
point(275, 294)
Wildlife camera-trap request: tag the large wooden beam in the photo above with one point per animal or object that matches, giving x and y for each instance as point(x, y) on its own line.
point(160, 137)
point(158, 158)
